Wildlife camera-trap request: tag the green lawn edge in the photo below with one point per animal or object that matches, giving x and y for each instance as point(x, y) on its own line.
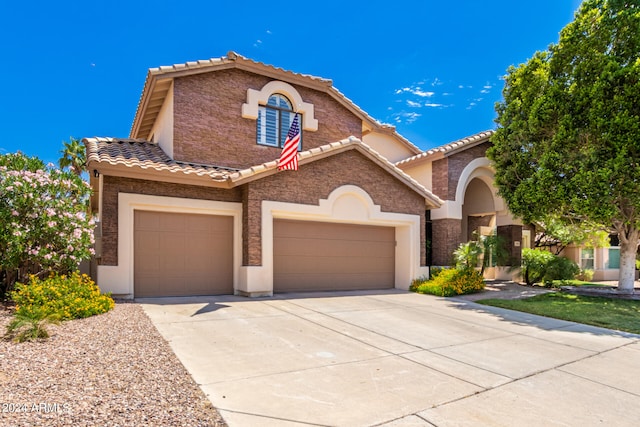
point(610, 313)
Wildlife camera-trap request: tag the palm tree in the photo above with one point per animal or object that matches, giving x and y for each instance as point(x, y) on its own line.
point(73, 156)
point(467, 255)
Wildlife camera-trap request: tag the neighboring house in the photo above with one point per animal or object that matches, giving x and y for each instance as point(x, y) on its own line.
point(604, 262)
point(193, 203)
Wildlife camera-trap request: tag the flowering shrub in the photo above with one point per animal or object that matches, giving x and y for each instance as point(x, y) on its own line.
point(44, 215)
point(65, 297)
point(450, 282)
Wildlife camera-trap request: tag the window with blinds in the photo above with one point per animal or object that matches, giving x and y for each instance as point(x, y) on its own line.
point(274, 121)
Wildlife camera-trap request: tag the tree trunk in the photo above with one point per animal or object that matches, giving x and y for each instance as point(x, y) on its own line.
point(628, 248)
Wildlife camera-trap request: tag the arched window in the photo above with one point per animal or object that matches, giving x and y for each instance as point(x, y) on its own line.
point(274, 121)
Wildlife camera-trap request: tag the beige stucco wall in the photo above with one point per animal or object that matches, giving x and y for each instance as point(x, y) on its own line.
point(162, 130)
point(422, 173)
point(388, 146)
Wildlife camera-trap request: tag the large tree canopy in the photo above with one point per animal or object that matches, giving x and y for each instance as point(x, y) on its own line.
point(568, 137)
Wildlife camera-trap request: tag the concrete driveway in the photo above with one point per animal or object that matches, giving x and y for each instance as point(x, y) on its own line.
point(394, 358)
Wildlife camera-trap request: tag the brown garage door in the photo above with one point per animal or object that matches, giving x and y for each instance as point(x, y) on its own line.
point(312, 256)
point(178, 254)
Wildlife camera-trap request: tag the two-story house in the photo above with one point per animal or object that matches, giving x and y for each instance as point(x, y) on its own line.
point(193, 202)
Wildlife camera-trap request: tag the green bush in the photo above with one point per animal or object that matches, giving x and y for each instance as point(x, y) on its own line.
point(65, 297)
point(539, 265)
point(560, 268)
point(534, 264)
point(450, 282)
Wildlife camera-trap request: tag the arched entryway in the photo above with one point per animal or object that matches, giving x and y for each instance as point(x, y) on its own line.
point(478, 210)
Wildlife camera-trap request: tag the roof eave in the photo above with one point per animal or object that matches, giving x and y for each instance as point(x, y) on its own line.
point(151, 174)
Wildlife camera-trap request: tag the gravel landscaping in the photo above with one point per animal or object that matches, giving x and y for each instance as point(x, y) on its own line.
point(109, 370)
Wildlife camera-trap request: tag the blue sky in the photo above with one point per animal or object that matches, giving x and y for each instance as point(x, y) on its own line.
point(431, 68)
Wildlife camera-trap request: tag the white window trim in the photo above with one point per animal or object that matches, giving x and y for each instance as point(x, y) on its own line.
point(593, 258)
point(255, 98)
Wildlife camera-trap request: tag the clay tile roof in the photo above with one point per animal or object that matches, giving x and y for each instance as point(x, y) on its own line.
point(136, 153)
point(452, 147)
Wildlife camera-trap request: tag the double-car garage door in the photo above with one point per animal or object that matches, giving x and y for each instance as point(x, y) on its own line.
point(315, 256)
point(178, 254)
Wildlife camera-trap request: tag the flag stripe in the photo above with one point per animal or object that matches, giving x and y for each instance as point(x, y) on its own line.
point(289, 157)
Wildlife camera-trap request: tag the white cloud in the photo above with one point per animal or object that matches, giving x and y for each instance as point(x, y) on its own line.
point(433, 105)
point(422, 93)
point(413, 104)
point(406, 117)
point(415, 90)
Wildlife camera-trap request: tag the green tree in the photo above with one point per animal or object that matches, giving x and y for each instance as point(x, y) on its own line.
point(568, 137)
point(73, 157)
point(556, 234)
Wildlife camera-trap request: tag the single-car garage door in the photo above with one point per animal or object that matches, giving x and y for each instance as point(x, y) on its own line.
point(177, 254)
point(313, 256)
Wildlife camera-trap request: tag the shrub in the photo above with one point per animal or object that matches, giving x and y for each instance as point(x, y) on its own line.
point(43, 211)
point(31, 325)
point(534, 264)
point(451, 282)
point(67, 297)
point(560, 268)
point(585, 275)
point(435, 271)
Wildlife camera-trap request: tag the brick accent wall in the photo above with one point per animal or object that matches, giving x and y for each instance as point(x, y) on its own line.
point(446, 238)
point(114, 185)
point(440, 178)
point(511, 234)
point(447, 171)
point(316, 181)
point(458, 161)
point(209, 127)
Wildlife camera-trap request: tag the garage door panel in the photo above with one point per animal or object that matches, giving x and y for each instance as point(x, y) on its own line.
point(336, 247)
point(323, 256)
point(179, 254)
point(332, 231)
point(328, 282)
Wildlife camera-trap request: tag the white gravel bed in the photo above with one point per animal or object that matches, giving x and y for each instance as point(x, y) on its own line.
point(108, 370)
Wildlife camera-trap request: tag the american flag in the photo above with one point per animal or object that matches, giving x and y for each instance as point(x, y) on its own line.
point(289, 157)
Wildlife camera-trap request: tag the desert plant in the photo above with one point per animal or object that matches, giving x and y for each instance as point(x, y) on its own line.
point(467, 255)
point(31, 325)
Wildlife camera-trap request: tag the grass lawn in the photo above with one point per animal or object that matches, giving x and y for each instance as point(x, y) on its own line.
point(619, 314)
